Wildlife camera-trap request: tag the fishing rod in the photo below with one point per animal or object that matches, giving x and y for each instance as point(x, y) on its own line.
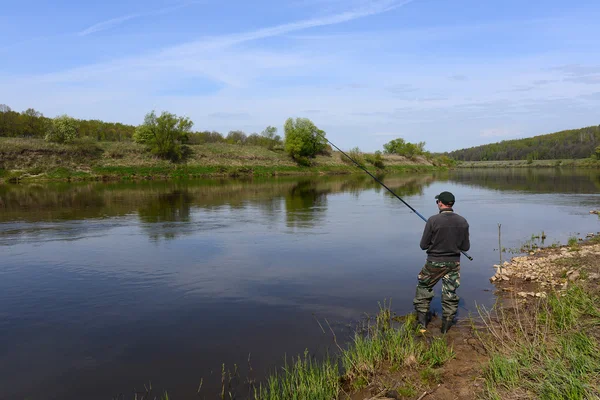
point(382, 184)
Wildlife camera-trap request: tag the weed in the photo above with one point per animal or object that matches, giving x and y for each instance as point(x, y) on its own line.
point(430, 376)
point(304, 378)
point(407, 390)
point(438, 353)
point(572, 241)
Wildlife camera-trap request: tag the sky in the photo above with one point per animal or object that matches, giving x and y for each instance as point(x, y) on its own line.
point(451, 73)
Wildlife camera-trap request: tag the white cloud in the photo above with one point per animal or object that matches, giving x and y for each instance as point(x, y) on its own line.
point(104, 25)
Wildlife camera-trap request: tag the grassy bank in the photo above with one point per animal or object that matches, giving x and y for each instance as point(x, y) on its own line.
point(35, 159)
point(567, 163)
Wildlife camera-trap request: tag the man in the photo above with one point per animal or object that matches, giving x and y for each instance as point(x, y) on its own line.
point(445, 236)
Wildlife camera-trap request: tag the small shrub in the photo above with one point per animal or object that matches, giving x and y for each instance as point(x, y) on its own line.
point(62, 129)
point(303, 139)
point(375, 159)
point(164, 135)
point(572, 241)
point(356, 155)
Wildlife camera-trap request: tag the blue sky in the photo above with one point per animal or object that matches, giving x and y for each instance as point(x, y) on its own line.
point(451, 73)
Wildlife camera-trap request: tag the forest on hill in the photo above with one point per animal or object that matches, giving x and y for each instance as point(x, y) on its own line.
point(569, 144)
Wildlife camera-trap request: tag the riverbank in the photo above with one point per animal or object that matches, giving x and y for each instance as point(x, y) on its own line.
point(567, 163)
point(37, 160)
point(540, 341)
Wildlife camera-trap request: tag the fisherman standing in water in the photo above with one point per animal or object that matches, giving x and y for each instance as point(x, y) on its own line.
point(445, 236)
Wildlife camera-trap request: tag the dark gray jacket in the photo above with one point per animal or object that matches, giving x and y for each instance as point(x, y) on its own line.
point(445, 235)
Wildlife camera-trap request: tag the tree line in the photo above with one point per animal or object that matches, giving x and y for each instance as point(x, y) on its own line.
point(167, 135)
point(569, 144)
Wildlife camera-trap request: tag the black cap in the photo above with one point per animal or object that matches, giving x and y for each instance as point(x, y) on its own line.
point(445, 197)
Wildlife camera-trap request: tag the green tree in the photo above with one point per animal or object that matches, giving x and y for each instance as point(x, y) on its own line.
point(272, 139)
point(597, 153)
point(236, 137)
point(63, 129)
point(403, 148)
point(164, 135)
point(34, 123)
point(303, 140)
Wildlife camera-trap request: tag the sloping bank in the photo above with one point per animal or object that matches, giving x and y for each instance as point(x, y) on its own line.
point(540, 341)
point(35, 159)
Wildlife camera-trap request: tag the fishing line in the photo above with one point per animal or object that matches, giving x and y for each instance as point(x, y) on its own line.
point(382, 184)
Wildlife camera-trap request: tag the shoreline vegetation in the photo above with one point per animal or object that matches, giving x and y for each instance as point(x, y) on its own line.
point(34, 147)
point(33, 159)
point(541, 340)
point(564, 163)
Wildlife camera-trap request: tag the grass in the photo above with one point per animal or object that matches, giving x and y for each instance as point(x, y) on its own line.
point(547, 350)
point(379, 346)
point(35, 159)
point(303, 379)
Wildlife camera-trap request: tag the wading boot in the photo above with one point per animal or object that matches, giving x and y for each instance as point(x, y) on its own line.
point(422, 319)
point(446, 324)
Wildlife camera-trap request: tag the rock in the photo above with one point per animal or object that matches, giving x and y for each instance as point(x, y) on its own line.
point(522, 294)
point(541, 294)
point(594, 276)
point(504, 278)
point(506, 263)
point(573, 276)
point(590, 235)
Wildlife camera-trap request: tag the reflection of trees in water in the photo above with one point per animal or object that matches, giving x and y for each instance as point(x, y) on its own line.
point(167, 211)
point(305, 204)
point(409, 188)
point(41, 202)
point(538, 180)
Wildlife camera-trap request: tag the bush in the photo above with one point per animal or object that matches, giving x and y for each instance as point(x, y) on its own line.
point(356, 155)
point(63, 129)
point(303, 140)
point(236, 137)
point(402, 148)
point(164, 135)
point(375, 159)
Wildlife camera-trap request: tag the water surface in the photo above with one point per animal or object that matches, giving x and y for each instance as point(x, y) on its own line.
point(106, 286)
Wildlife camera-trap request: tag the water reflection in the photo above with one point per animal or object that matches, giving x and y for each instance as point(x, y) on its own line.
point(167, 209)
point(305, 204)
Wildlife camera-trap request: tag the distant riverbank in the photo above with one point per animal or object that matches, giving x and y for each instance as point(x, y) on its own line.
point(567, 163)
point(37, 160)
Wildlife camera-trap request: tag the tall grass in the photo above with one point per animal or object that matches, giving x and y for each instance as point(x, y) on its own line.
point(303, 379)
point(381, 345)
point(546, 350)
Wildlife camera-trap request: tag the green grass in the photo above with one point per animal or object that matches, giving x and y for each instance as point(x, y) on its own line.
point(553, 356)
point(303, 379)
point(379, 346)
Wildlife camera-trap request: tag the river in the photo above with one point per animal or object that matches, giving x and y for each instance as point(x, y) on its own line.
point(107, 286)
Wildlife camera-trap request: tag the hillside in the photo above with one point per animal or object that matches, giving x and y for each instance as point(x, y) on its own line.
point(569, 144)
point(86, 159)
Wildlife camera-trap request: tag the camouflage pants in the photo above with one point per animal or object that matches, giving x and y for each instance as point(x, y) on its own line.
point(432, 272)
